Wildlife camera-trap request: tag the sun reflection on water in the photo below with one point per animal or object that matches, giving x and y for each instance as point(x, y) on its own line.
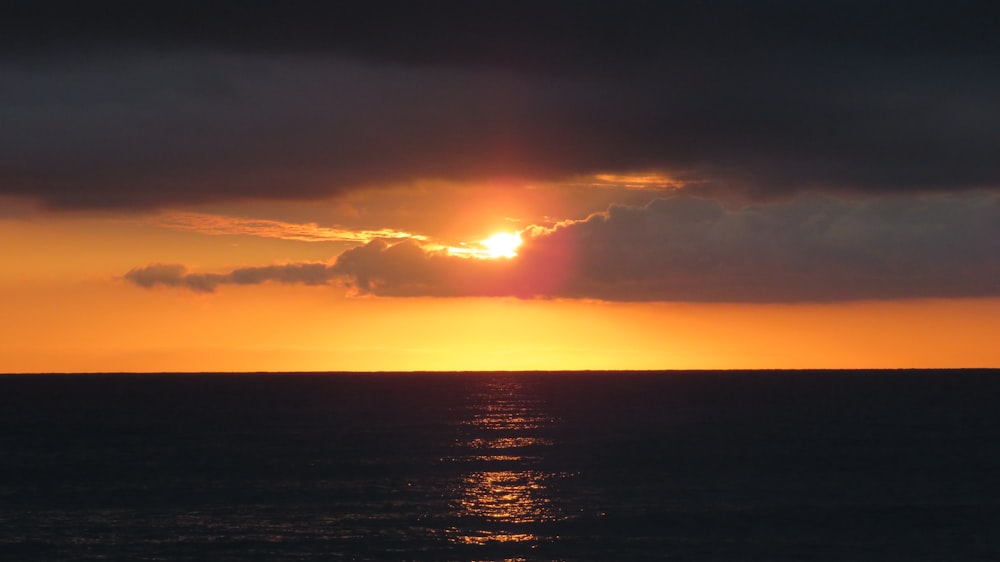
point(509, 495)
point(507, 442)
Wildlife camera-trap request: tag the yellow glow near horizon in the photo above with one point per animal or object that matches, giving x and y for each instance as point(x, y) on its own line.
point(502, 245)
point(105, 326)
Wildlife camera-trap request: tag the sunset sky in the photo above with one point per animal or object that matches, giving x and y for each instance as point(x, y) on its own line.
point(244, 186)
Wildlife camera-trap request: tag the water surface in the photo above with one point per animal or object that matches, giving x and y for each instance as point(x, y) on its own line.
point(501, 466)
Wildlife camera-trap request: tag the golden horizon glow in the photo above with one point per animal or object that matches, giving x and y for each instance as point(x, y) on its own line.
point(502, 245)
point(104, 326)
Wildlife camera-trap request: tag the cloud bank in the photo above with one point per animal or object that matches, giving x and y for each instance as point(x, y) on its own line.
point(115, 105)
point(683, 248)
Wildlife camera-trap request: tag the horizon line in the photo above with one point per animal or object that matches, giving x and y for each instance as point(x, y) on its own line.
point(517, 371)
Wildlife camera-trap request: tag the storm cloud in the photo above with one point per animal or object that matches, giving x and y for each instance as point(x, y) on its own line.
point(683, 248)
point(113, 104)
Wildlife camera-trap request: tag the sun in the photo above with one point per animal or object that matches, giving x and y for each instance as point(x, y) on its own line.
point(502, 245)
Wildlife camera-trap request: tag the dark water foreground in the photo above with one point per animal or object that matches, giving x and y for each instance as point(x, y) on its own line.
point(672, 466)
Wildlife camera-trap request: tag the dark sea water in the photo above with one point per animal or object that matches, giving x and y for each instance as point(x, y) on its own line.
point(572, 466)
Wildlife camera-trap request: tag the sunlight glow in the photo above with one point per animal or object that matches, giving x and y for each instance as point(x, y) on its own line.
point(502, 245)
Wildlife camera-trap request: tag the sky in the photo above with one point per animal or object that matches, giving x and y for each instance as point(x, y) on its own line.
point(247, 186)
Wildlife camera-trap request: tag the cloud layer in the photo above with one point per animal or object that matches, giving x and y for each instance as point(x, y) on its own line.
point(688, 249)
point(173, 103)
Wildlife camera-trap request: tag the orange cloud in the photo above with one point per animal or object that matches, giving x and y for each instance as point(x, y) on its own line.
point(651, 181)
point(205, 223)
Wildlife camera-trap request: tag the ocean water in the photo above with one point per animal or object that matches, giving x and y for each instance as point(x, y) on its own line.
point(502, 466)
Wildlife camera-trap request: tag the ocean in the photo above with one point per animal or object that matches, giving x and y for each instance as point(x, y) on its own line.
point(700, 466)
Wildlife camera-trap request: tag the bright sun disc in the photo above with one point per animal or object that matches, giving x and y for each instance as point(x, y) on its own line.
point(502, 245)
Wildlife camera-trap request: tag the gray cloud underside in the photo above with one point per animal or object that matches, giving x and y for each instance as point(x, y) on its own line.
point(176, 275)
point(175, 104)
point(689, 249)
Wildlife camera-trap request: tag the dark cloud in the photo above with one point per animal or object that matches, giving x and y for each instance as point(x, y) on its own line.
point(176, 275)
point(517, 34)
point(690, 249)
point(172, 275)
point(810, 249)
point(121, 104)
